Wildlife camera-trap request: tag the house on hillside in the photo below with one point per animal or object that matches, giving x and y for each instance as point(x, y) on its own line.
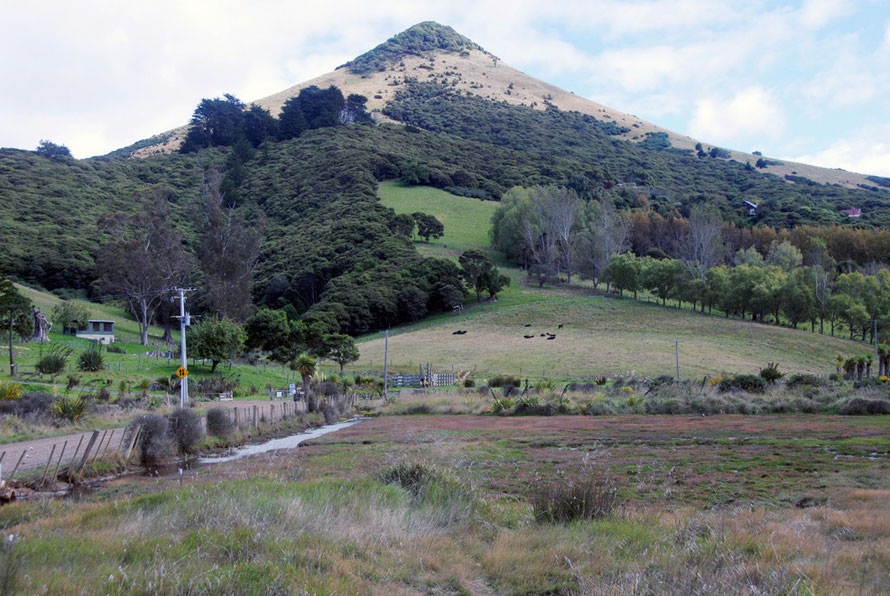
point(855, 212)
point(750, 207)
point(98, 331)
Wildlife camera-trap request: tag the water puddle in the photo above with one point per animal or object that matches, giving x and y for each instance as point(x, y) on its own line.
point(281, 443)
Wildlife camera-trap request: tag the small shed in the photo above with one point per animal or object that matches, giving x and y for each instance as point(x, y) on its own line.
point(98, 331)
point(856, 212)
point(750, 207)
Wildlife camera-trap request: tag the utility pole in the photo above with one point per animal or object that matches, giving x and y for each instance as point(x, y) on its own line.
point(385, 362)
point(183, 323)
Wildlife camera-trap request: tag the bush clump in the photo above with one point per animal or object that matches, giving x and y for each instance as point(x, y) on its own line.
point(91, 359)
point(71, 409)
point(219, 424)
point(590, 498)
point(33, 405)
point(53, 361)
point(749, 383)
point(771, 373)
point(10, 391)
point(803, 380)
point(155, 441)
point(186, 429)
point(859, 406)
point(502, 381)
point(411, 476)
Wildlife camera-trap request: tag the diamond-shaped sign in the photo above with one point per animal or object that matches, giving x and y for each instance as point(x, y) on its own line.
point(182, 372)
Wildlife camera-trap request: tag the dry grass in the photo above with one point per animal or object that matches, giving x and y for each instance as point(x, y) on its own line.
point(605, 336)
point(359, 512)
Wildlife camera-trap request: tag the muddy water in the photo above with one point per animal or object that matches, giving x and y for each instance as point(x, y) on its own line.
point(273, 444)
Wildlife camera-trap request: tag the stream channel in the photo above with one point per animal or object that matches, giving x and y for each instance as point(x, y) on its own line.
point(273, 444)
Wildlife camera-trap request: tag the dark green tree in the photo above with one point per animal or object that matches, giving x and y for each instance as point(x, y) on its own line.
point(428, 226)
point(338, 347)
point(216, 340)
point(402, 225)
point(271, 331)
point(52, 151)
point(215, 122)
point(480, 273)
point(258, 125)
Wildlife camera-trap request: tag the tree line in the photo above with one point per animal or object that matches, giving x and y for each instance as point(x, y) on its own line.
point(221, 122)
point(553, 234)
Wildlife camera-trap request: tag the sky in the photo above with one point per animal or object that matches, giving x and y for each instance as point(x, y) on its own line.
point(804, 80)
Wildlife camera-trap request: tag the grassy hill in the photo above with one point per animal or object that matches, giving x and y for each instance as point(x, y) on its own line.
point(328, 248)
point(600, 335)
point(133, 365)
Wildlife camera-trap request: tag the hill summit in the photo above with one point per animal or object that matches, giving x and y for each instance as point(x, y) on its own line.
point(418, 40)
point(432, 52)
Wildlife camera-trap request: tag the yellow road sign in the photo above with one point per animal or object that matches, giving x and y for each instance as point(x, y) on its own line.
point(182, 372)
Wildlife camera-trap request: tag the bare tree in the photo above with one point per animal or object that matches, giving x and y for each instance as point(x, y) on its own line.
point(702, 245)
point(228, 254)
point(145, 261)
point(611, 234)
point(563, 207)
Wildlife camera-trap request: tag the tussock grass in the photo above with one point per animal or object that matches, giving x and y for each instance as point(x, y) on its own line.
point(639, 396)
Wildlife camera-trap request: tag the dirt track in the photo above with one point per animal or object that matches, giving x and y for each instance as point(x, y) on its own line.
point(37, 451)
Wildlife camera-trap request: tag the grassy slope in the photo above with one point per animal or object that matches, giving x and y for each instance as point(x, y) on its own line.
point(601, 335)
point(133, 367)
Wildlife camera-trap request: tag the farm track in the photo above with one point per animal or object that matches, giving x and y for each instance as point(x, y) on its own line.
point(38, 450)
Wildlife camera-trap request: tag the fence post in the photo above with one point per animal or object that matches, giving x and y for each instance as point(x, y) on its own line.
point(98, 447)
point(256, 423)
point(48, 463)
point(136, 431)
point(21, 457)
point(86, 451)
point(237, 419)
point(61, 455)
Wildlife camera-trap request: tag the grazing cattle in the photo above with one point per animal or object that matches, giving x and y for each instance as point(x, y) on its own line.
point(528, 324)
point(551, 337)
point(528, 336)
point(559, 326)
point(459, 332)
point(542, 335)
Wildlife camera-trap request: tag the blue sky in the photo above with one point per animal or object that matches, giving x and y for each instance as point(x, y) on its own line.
point(801, 79)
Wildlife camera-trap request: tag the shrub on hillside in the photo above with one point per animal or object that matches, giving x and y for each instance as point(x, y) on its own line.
point(469, 383)
point(91, 360)
point(749, 383)
point(219, 423)
point(53, 360)
point(771, 373)
point(802, 380)
point(155, 440)
point(563, 502)
point(186, 429)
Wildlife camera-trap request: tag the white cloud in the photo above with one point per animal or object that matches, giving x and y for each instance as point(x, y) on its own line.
point(815, 14)
point(867, 152)
point(752, 113)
